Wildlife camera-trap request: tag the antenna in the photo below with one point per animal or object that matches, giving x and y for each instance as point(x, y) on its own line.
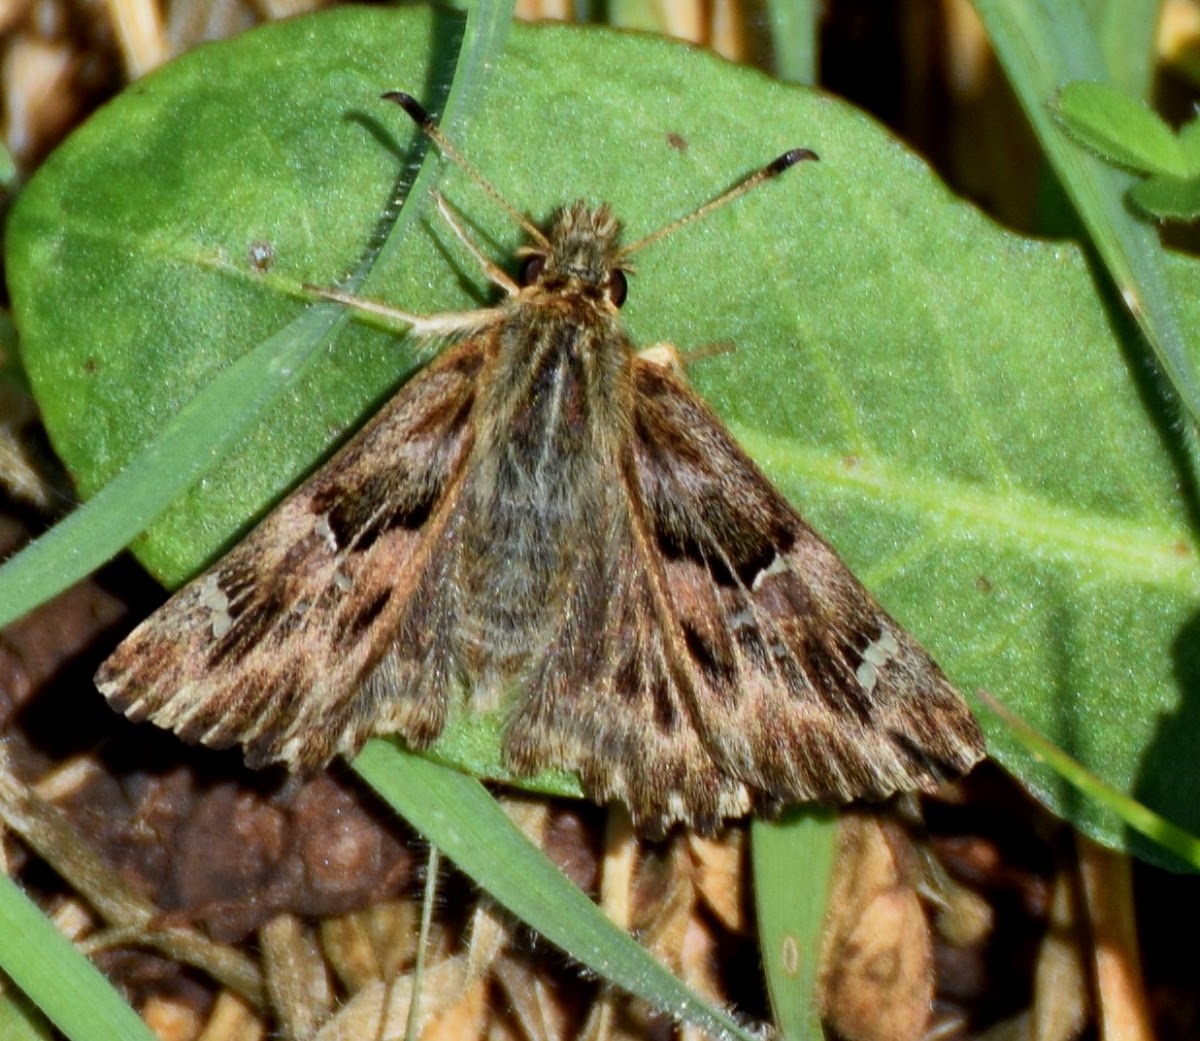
point(430, 129)
point(425, 121)
point(772, 169)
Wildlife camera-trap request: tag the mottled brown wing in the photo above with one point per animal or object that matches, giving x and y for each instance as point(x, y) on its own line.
point(799, 684)
point(610, 698)
point(283, 645)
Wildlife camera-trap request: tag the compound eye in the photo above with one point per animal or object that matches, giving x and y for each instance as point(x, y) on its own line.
point(618, 287)
point(531, 269)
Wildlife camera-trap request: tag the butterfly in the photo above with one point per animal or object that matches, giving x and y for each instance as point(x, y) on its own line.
point(546, 520)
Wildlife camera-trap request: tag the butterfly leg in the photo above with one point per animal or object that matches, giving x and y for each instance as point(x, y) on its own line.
point(448, 324)
point(668, 356)
point(497, 274)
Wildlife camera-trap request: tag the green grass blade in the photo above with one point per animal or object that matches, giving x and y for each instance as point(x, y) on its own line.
point(794, 38)
point(478, 53)
point(1042, 48)
point(1140, 818)
point(216, 417)
point(57, 978)
point(1126, 32)
point(20, 1019)
point(457, 814)
point(793, 860)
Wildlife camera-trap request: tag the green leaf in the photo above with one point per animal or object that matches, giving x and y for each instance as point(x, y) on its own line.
point(1123, 130)
point(1168, 198)
point(943, 399)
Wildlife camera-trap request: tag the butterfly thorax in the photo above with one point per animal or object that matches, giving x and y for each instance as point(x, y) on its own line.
point(553, 429)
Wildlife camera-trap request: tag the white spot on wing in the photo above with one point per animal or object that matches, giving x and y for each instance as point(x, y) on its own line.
point(325, 533)
point(882, 650)
point(778, 566)
point(214, 600)
point(867, 676)
point(874, 657)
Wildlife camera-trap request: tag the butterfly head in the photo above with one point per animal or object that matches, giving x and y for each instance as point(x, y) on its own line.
point(580, 254)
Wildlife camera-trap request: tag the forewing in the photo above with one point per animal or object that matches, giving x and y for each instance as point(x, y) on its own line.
point(288, 645)
point(799, 683)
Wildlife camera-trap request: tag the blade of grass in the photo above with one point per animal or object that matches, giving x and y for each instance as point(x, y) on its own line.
point(20, 1019)
point(1042, 48)
point(457, 814)
point(220, 414)
point(1138, 817)
point(794, 39)
point(166, 467)
point(67, 987)
point(8, 172)
point(793, 860)
point(1126, 31)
